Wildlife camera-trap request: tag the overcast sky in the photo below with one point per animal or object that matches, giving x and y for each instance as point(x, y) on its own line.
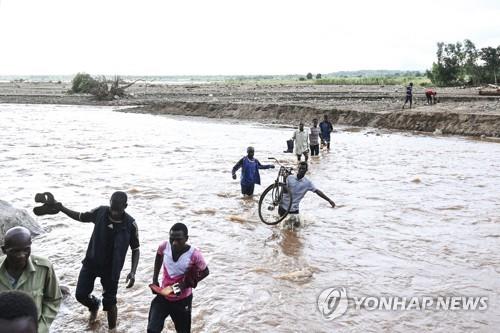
point(191, 37)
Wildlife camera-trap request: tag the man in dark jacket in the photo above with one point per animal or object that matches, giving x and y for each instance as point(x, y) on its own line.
point(325, 129)
point(409, 95)
point(249, 171)
point(114, 232)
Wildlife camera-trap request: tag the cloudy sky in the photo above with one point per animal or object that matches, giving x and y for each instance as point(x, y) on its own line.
point(206, 37)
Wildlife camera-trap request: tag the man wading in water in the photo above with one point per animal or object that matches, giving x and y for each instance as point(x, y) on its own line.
point(314, 138)
point(299, 185)
point(114, 231)
point(301, 139)
point(183, 268)
point(325, 129)
point(249, 171)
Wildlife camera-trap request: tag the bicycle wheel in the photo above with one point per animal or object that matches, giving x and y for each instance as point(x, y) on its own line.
point(269, 203)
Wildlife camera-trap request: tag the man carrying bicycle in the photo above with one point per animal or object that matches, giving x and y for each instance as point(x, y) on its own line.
point(299, 185)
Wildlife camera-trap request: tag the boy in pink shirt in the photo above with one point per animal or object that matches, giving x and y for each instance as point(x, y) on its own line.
point(183, 268)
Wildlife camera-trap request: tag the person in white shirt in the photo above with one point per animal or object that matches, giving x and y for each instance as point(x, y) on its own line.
point(299, 185)
point(301, 140)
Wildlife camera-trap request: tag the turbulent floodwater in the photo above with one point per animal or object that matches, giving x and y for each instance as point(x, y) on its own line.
point(417, 215)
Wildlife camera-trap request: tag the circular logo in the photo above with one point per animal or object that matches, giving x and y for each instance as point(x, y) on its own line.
point(333, 302)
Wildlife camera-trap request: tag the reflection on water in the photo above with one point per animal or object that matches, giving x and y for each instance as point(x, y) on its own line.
point(416, 215)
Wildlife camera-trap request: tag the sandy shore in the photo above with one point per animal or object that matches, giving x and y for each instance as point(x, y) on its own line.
point(459, 111)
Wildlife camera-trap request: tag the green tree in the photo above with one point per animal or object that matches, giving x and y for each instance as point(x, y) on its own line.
point(318, 76)
point(491, 58)
point(99, 88)
point(83, 83)
point(309, 76)
point(471, 68)
point(449, 69)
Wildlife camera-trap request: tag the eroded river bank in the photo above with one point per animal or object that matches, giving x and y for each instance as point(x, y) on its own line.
point(459, 111)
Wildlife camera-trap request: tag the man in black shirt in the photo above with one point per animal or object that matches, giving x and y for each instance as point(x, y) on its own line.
point(114, 231)
point(409, 95)
point(325, 128)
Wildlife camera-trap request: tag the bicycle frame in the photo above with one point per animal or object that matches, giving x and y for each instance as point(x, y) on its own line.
point(275, 195)
point(283, 173)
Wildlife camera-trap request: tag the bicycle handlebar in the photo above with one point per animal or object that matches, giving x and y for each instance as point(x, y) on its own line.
point(274, 159)
point(278, 162)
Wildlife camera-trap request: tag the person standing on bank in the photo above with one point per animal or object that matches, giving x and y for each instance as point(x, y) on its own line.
point(183, 267)
point(314, 138)
point(301, 139)
point(409, 95)
point(249, 171)
point(114, 231)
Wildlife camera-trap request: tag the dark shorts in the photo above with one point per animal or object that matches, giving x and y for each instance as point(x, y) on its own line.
point(314, 150)
point(85, 286)
point(179, 311)
point(408, 99)
point(247, 189)
point(326, 138)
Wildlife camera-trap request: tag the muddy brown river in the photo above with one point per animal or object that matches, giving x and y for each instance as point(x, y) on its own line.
point(417, 216)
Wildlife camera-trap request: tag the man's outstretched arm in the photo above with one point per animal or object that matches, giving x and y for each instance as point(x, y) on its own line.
point(82, 217)
point(264, 166)
point(322, 195)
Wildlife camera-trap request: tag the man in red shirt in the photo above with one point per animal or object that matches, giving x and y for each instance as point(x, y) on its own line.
point(431, 96)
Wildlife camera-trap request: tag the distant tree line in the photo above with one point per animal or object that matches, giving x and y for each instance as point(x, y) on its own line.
point(464, 64)
point(309, 76)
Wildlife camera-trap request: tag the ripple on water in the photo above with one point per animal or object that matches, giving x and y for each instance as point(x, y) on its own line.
point(408, 221)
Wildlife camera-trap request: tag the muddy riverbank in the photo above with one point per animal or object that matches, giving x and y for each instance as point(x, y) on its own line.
point(459, 111)
point(469, 124)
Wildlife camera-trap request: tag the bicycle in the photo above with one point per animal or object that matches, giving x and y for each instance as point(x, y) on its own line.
point(273, 197)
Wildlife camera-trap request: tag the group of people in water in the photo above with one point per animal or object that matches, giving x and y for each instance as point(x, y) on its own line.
point(303, 142)
point(30, 294)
